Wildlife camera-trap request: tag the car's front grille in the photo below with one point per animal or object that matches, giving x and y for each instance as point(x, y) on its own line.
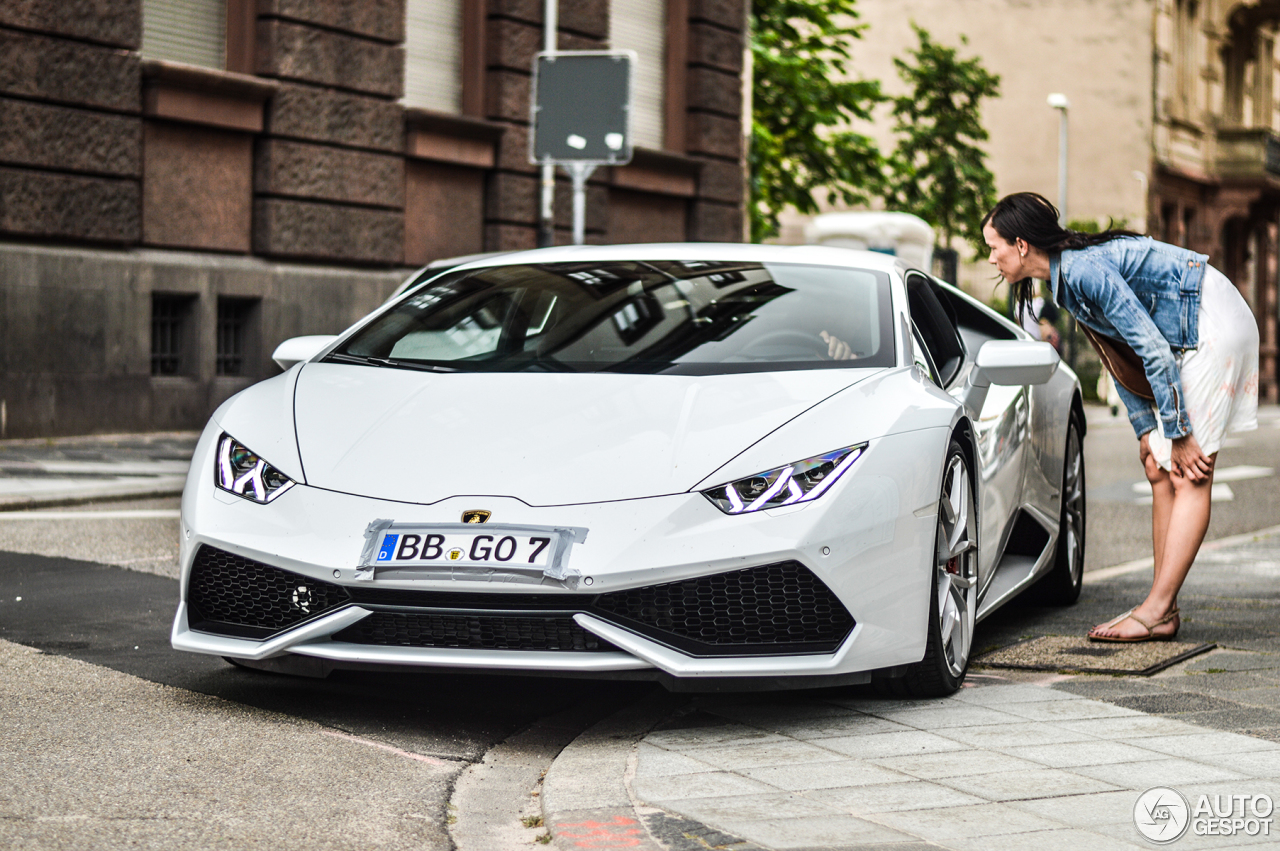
point(771, 609)
point(233, 595)
point(473, 631)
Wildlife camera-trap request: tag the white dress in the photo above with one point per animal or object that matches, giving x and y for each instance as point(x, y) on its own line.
point(1220, 376)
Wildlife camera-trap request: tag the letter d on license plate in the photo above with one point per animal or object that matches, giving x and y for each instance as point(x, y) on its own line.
point(409, 548)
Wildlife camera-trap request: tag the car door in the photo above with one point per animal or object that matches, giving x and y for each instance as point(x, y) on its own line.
point(1002, 425)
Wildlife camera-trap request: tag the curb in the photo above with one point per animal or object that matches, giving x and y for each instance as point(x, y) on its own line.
point(586, 795)
point(116, 493)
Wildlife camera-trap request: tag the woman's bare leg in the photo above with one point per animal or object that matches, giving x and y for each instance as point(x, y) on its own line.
point(1180, 510)
point(1161, 502)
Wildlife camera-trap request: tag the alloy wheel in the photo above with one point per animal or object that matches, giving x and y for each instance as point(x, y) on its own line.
point(957, 567)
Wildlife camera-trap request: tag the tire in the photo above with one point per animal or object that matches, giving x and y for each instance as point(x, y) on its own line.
point(953, 598)
point(1061, 585)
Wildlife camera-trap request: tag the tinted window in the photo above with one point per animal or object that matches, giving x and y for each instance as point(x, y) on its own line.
point(648, 317)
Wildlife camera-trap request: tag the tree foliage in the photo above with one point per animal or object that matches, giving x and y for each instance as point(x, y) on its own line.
point(802, 104)
point(937, 171)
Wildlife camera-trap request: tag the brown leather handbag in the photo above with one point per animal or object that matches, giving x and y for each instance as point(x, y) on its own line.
point(1121, 361)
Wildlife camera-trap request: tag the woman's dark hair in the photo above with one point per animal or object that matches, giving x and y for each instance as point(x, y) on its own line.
point(1030, 217)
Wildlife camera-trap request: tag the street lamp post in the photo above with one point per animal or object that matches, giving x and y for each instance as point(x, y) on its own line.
point(1059, 101)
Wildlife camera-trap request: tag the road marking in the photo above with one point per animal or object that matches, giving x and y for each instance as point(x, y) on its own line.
point(1221, 491)
point(1242, 472)
point(1217, 493)
point(369, 743)
point(1146, 563)
point(133, 514)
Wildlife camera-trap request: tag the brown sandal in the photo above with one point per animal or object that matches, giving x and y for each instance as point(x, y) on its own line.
point(1150, 627)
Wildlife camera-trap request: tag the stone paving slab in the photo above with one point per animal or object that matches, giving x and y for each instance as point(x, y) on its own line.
point(1014, 760)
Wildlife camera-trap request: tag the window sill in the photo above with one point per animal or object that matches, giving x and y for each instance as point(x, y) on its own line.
point(196, 95)
point(450, 138)
point(659, 172)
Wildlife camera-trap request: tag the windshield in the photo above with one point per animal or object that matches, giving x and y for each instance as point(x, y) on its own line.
point(676, 317)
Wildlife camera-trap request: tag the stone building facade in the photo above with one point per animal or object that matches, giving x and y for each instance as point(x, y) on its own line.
point(1174, 123)
point(173, 205)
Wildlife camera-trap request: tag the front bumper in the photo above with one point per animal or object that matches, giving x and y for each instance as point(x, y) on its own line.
point(867, 545)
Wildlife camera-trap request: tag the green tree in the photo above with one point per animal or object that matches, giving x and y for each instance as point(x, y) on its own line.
point(802, 104)
point(937, 171)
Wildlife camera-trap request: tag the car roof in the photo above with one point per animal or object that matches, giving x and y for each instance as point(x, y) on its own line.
point(818, 255)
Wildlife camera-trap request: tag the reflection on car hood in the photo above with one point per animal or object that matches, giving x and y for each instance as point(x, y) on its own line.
point(547, 439)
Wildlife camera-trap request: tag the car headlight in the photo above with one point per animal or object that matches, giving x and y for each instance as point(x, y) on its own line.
point(803, 481)
point(240, 471)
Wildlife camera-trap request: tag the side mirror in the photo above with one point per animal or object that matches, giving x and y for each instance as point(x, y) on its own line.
point(1008, 362)
point(297, 349)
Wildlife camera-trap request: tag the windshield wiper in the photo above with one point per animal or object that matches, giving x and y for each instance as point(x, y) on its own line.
point(394, 363)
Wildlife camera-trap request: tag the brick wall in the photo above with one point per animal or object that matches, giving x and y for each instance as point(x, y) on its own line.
point(329, 169)
point(70, 125)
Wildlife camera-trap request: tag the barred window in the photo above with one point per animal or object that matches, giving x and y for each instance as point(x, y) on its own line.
point(170, 321)
point(234, 317)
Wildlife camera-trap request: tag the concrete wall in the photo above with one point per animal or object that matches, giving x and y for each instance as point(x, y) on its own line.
point(75, 354)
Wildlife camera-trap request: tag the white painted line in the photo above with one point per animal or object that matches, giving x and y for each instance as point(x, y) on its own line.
point(369, 743)
point(1146, 563)
point(1242, 472)
point(1217, 493)
point(135, 514)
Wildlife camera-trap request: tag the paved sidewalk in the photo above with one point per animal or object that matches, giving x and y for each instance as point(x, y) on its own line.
point(1018, 760)
point(75, 470)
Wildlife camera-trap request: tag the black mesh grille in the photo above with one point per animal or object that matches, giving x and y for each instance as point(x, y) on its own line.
point(775, 608)
point(435, 599)
point(479, 632)
point(232, 595)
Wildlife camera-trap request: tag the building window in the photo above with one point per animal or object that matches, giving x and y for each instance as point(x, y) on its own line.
point(641, 25)
point(433, 55)
point(170, 324)
point(190, 31)
point(235, 316)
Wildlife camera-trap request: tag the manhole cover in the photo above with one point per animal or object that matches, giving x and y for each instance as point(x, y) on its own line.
point(1076, 654)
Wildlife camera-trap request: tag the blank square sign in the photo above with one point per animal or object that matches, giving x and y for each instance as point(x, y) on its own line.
point(582, 107)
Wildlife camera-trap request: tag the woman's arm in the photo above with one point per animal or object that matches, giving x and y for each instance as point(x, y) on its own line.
point(1104, 289)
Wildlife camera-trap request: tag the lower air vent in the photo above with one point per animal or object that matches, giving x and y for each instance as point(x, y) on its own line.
point(232, 595)
point(476, 632)
point(778, 608)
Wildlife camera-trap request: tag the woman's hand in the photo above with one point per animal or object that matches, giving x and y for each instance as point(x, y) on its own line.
point(1188, 460)
point(837, 349)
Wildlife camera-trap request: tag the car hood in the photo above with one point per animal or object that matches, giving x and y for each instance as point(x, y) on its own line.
point(546, 439)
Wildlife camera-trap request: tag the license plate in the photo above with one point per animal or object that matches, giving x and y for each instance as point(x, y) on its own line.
point(494, 547)
point(408, 548)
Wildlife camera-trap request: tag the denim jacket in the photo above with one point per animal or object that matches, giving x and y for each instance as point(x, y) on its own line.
point(1146, 293)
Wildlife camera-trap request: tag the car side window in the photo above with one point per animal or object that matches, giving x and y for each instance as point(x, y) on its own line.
point(922, 359)
point(935, 328)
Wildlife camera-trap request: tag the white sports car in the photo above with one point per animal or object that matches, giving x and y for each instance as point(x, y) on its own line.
point(715, 465)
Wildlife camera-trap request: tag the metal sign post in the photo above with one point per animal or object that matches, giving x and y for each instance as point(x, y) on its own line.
point(579, 173)
point(581, 117)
